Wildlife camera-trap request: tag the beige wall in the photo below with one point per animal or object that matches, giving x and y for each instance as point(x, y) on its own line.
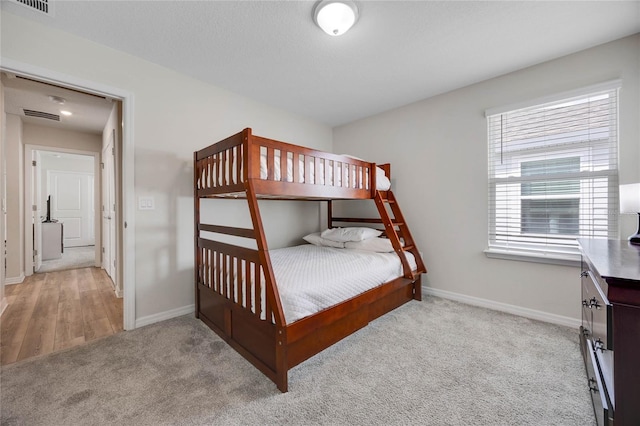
point(438, 151)
point(15, 206)
point(174, 115)
point(61, 138)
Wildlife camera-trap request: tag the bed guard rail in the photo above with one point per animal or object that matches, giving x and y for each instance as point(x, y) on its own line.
point(280, 169)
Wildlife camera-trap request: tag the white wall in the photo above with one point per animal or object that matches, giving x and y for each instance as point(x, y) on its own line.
point(438, 152)
point(174, 115)
point(15, 205)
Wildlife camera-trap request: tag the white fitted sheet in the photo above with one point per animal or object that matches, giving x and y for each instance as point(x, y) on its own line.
point(312, 278)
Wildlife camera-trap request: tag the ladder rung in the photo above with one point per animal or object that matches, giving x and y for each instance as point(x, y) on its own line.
point(408, 248)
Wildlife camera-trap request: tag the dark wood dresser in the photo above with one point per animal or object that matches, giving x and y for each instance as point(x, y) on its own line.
point(610, 331)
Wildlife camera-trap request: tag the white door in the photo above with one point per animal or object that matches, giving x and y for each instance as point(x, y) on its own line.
point(109, 209)
point(37, 210)
point(71, 204)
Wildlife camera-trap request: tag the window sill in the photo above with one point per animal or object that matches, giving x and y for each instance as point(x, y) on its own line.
point(564, 259)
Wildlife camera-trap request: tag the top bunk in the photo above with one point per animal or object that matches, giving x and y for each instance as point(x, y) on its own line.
point(278, 170)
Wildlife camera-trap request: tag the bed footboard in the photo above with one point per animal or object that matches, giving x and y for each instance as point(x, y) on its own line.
point(234, 300)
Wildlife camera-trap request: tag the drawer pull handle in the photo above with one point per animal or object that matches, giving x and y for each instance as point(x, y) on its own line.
point(593, 385)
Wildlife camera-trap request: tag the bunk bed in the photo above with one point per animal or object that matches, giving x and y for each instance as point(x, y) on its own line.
point(236, 293)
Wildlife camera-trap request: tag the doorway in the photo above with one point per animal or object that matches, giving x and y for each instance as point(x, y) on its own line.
point(122, 270)
point(67, 195)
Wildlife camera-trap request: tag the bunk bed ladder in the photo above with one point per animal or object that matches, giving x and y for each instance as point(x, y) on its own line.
point(390, 224)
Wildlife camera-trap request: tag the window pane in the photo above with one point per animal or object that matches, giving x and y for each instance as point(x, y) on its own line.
point(547, 167)
point(558, 216)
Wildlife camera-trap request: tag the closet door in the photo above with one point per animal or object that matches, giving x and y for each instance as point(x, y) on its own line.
point(72, 204)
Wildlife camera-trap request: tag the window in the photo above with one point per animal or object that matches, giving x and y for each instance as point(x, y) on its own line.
point(553, 174)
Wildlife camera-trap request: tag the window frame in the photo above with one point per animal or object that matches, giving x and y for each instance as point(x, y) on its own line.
point(537, 252)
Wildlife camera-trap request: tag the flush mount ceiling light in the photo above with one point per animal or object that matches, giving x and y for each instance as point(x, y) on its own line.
point(335, 17)
point(67, 113)
point(57, 99)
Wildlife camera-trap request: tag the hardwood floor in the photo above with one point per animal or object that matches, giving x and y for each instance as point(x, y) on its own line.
point(56, 310)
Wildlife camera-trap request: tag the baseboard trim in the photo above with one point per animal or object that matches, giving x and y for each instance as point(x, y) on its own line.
point(161, 316)
point(505, 307)
point(14, 280)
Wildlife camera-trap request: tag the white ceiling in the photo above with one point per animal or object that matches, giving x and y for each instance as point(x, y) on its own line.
point(89, 113)
point(397, 53)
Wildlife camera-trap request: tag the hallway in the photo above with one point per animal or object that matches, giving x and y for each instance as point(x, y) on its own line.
point(57, 310)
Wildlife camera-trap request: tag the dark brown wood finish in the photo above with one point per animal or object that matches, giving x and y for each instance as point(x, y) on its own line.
point(611, 321)
point(229, 279)
point(196, 234)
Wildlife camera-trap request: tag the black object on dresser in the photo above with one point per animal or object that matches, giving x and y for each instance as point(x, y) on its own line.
point(610, 331)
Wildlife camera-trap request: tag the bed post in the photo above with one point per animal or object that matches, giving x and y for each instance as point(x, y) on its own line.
point(273, 296)
point(196, 233)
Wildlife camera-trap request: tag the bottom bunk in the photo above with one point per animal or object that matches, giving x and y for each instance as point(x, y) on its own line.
point(326, 294)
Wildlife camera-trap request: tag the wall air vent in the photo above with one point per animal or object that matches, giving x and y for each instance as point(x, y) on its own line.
point(40, 114)
point(42, 6)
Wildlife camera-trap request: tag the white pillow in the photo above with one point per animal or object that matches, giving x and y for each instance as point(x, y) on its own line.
point(382, 181)
point(379, 245)
point(350, 234)
point(317, 240)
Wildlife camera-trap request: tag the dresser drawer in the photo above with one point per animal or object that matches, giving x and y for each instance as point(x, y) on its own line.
point(587, 316)
point(596, 303)
point(598, 392)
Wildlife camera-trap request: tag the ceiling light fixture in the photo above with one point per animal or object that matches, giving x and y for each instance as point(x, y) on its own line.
point(335, 17)
point(67, 113)
point(57, 99)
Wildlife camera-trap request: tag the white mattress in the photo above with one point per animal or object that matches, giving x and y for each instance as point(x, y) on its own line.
point(312, 278)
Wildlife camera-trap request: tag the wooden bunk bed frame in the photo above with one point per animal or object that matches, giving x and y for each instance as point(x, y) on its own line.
point(232, 306)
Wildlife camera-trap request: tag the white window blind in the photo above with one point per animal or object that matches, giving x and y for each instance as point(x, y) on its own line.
point(553, 173)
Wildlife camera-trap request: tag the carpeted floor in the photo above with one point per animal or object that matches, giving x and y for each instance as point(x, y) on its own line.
point(435, 362)
point(72, 258)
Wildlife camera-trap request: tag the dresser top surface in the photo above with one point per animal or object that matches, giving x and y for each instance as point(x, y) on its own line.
point(613, 258)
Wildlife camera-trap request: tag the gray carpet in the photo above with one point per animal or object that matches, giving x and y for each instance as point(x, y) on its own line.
point(72, 258)
point(435, 362)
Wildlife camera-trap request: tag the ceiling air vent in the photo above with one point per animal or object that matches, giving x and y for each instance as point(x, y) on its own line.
point(40, 114)
point(42, 6)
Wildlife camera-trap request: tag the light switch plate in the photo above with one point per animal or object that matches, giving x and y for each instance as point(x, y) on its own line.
point(146, 203)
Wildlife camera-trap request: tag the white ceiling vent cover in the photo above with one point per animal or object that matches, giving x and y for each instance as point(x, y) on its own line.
point(40, 114)
point(42, 6)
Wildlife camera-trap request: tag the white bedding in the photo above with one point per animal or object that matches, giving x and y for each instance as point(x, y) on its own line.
point(382, 182)
point(312, 278)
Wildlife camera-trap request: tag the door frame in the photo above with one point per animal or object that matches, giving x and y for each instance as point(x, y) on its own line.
point(109, 194)
point(28, 196)
point(125, 232)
